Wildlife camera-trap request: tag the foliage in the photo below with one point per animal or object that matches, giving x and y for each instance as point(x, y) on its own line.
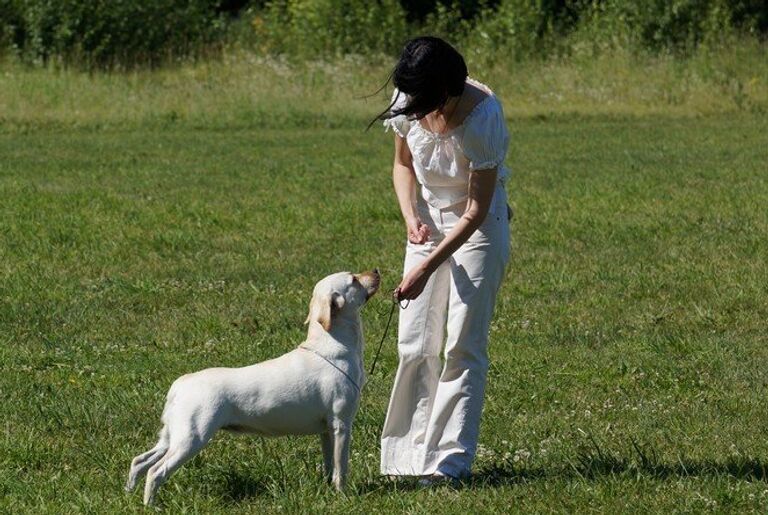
point(419, 10)
point(521, 29)
point(130, 32)
point(11, 22)
point(516, 28)
point(507, 29)
point(328, 27)
point(660, 24)
point(107, 33)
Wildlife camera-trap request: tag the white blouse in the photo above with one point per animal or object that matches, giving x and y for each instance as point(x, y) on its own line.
point(442, 162)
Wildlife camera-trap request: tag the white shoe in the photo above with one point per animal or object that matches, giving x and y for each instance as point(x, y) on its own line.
point(439, 479)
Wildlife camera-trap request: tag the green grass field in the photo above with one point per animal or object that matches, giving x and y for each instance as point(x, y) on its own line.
point(629, 347)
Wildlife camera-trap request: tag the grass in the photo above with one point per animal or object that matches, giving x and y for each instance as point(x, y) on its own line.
point(628, 351)
point(243, 90)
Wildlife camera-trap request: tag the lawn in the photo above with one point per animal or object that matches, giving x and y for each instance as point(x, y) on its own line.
point(628, 351)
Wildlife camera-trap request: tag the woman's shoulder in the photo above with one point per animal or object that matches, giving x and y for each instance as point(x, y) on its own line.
point(480, 86)
point(487, 117)
point(398, 123)
point(486, 104)
point(486, 136)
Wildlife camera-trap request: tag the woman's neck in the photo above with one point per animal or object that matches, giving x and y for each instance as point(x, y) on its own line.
point(439, 120)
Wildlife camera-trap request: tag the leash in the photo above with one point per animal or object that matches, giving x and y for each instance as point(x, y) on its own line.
point(333, 365)
point(395, 303)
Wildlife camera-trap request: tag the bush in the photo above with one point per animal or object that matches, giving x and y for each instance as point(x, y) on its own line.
point(11, 23)
point(672, 24)
point(419, 10)
point(313, 28)
point(109, 33)
point(518, 29)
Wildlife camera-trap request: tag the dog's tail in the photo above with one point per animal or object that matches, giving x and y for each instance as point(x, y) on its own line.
point(164, 437)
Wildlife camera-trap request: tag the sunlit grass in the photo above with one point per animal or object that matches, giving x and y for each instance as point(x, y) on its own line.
point(240, 89)
point(628, 351)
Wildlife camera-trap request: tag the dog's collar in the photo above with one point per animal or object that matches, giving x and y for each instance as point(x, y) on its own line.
point(359, 390)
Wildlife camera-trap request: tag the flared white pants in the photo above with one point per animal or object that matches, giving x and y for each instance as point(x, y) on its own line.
point(433, 418)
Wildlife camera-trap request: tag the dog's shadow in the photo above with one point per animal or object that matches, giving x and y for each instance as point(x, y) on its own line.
point(239, 486)
point(510, 474)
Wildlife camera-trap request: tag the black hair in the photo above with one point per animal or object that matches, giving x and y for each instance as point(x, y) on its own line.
point(429, 71)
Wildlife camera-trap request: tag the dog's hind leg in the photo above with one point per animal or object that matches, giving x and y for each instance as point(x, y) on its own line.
point(181, 450)
point(326, 439)
point(142, 462)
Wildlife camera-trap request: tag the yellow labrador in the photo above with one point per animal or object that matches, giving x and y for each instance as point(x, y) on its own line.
point(314, 389)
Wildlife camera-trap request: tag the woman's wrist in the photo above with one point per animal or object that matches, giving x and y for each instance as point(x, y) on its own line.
point(428, 266)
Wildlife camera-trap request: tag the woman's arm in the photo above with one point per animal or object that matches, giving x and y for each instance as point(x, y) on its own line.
point(482, 185)
point(404, 180)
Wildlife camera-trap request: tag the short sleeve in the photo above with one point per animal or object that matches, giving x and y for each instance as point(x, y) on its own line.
point(400, 124)
point(486, 137)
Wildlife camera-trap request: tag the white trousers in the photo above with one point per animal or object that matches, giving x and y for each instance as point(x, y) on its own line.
point(433, 418)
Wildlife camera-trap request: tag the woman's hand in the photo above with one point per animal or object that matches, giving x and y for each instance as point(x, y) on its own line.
point(413, 283)
point(418, 232)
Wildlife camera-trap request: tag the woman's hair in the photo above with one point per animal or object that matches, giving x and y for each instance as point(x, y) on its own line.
point(428, 72)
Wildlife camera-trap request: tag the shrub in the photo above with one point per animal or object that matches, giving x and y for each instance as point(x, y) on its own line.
point(672, 24)
point(11, 24)
point(109, 33)
point(518, 29)
point(313, 28)
point(419, 10)
point(514, 30)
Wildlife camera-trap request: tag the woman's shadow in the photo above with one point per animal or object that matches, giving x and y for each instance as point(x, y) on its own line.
point(587, 469)
point(590, 463)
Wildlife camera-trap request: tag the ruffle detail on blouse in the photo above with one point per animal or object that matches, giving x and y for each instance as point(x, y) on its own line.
point(400, 124)
point(473, 167)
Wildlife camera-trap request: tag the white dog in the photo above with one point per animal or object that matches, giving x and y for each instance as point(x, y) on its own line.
point(314, 389)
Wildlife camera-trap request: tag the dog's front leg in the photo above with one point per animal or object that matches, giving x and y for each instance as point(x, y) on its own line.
point(342, 432)
point(326, 439)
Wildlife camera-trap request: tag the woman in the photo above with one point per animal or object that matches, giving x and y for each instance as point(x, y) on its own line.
point(448, 174)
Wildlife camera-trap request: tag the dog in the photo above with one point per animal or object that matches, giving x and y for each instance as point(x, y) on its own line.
point(313, 389)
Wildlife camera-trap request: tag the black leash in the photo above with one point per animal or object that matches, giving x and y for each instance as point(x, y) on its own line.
point(395, 303)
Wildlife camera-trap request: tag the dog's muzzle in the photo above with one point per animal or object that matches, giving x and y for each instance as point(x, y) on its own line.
point(371, 281)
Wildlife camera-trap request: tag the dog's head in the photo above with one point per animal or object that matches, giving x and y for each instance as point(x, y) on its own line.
point(340, 294)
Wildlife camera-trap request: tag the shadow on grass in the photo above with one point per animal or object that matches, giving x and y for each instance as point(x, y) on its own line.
point(591, 462)
point(238, 487)
point(587, 468)
point(499, 475)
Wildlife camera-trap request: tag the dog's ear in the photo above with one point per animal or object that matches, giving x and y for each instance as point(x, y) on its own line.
point(322, 309)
